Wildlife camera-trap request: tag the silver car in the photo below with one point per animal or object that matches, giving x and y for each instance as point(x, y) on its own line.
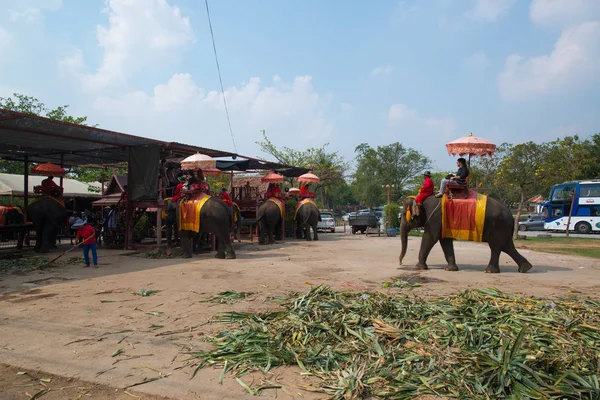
point(327, 222)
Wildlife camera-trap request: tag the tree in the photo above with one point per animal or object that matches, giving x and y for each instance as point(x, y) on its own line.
point(30, 105)
point(520, 169)
point(328, 166)
point(484, 172)
point(386, 165)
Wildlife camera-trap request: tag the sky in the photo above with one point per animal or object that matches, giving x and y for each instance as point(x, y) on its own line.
point(313, 72)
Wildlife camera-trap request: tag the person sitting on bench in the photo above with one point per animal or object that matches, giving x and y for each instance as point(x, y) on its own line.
point(460, 177)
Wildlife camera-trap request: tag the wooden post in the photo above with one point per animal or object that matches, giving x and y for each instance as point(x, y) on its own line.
point(128, 207)
point(26, 185)
point(159, 217)
point(62, 157)
point(570, 212)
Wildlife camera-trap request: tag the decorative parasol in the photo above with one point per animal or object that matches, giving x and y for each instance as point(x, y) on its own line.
point(309, 178)
point(48, 169)
point(272, 178)
point(211, 171)
point(471, 146)
point(198, 160)
point(294, 191)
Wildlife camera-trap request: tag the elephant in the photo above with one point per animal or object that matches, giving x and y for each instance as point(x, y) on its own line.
point(47, 215)
point(497, 232)
point(308, 216)
point(237, 224)
point(270, 222)
point(215, 218)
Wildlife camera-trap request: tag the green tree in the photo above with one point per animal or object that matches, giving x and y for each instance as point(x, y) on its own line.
point(30, 105)
point(386, 165)
point(520, 169)
point(484, 174)
point(328, 166)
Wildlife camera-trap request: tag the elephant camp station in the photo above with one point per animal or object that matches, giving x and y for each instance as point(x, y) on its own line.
point(335, 318)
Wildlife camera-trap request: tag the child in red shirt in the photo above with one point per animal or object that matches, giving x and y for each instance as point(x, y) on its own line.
point(87, 234)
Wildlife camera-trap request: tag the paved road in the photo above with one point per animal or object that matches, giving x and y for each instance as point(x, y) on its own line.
point(554, 234)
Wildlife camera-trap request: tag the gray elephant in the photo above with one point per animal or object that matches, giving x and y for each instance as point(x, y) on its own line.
point(497, 232)
point(269, 221)
point(171, 226)
point(307, 217)
point(237, 222)
point(48, 216)
point(215, 218)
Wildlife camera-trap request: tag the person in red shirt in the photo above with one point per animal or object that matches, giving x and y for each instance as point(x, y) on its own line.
point(273, 191)
point(226, 198)
point(426, 190)
point(87, 234)
point(177, 192)
point(49, 187)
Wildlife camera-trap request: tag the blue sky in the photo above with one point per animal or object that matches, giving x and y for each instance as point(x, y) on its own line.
point(312, 72)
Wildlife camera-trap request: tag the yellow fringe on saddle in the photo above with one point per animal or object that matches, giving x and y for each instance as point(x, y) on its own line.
point(56, 199)
point(280, 204)
point(189, 213)
point(301, 203)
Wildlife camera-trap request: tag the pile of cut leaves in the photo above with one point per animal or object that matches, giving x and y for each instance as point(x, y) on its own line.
point(478, 344)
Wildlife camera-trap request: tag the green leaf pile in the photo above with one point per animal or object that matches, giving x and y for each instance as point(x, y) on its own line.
point(481, 344)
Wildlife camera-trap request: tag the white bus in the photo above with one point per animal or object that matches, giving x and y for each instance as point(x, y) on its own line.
point(585, 216)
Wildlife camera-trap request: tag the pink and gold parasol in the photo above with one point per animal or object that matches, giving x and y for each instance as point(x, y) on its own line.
point(471, 146)
point(48, 169)
point(272, 178)
point(198, 160)
point(211, 171)
point(309, 178)
point(294, 191)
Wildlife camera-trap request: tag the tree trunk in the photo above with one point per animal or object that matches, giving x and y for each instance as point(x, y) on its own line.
point(518, 216)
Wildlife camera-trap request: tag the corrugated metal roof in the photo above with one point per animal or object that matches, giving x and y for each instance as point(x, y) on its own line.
point(44, 139)
point(11, 184)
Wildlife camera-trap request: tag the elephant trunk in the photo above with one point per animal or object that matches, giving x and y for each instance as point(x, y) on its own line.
point(404, 228)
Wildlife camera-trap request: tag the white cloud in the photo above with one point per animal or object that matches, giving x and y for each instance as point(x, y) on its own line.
point(572, 64)
point(446, 125)
point(179, 108)
point(30, 10)
point(563, 13)
point(477, 61)
point(385, 69)
point(135, 39)
point(401, 112)
point(490, 10)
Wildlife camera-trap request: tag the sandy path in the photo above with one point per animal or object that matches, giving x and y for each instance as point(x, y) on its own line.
point(42, 312)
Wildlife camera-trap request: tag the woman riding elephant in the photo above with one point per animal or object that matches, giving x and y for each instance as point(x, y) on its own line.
point(270, 221)
point(307, 217)
point(48, 216)
point(497, 231)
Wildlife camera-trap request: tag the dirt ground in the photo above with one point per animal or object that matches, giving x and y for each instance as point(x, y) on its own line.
point(88, 329)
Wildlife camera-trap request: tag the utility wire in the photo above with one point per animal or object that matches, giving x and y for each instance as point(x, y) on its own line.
point(220, 79)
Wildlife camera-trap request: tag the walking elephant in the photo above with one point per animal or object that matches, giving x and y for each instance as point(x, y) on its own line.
point(269, 221)
point(215, 218)
point(498, 227)
point(47, 215)
point(307, 217)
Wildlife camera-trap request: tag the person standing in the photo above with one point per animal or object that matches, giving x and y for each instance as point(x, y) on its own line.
point(87, 234)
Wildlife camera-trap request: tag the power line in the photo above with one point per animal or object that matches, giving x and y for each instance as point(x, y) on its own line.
point(212, 35)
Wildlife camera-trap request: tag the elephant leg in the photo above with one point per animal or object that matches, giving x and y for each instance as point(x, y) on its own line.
point(448, 248)
point(521, 261)
point(271, 231)
point(307, 232)
point(262, 232)
point(316, 235)
point(46, 238)
point(494, 264)
point(427, 243)
point(278, 231)
point(186, 244)
point(39, 229)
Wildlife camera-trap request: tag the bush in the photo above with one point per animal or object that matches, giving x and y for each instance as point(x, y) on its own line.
point(391, 214)
point(142, 228)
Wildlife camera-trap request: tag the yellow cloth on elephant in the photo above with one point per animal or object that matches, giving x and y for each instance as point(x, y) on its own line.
point(235, 217)
point(301, 203)
point(464, 218)
point(189, 213)
point(280, 204)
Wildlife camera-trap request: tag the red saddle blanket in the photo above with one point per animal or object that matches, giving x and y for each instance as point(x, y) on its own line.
point(464, 218)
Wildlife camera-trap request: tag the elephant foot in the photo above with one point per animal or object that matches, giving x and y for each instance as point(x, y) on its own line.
point(421, 267)
point(451, 268)
point(186, 256)
point(524, 267)
point(220, 256)
point(492, 269)
point(231, 256)
point(316, 238)
point(169, 252)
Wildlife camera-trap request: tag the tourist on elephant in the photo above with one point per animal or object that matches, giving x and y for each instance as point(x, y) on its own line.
point(460, 178)
point(197, 183)
point(225, 197)
point(49, 188)
point(177, 192)
point(273, 191)
point(426, 190)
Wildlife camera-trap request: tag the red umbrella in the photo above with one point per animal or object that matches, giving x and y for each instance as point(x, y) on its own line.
point(472, 146)
point(309, 178)
point(48, 169)
point(272, 178)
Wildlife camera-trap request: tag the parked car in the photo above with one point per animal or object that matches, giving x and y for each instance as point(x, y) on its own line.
point(327, 222)
point(533, 223)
